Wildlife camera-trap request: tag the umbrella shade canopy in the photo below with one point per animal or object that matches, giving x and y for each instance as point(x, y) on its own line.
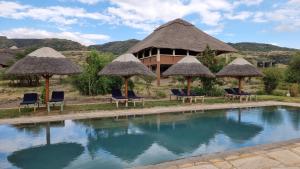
point(188, 66)
point(47, 156)
point(126, 65)
point(180, 34)
point(239, 68)
point(44, 61)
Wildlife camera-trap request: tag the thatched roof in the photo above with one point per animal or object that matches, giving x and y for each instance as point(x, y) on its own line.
point(188, 66)
point(126, 65)
point(239, 68)
point(44, 61)
point(180, 34)
point(7, 57)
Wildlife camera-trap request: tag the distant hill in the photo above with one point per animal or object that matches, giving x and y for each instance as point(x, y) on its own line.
point(6, 43)
point(119, 47)
point(116, 47)
point(259, 47)
point(58, 44)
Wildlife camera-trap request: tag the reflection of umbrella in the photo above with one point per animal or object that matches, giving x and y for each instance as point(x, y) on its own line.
point(239, 131)
point(45, 62)
point(239, 68)
point(123, 145)
point(188, 67)
point(126, 65)
point(46, 156)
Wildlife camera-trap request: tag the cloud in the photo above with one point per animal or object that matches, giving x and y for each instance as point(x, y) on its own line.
point(55, 14)
point(239, 16)
point(148, 14)
point(247, 2)
point(27, 33)
point(285, 17)
point(89, 2)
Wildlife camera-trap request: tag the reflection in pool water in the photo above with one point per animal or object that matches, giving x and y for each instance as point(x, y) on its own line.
point(111, 143)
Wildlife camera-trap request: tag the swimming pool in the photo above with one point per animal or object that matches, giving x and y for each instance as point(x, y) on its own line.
point(120, 143)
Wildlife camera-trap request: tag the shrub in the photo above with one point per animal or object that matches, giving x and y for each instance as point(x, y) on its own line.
point(209, 59)
point(215, 91)
point(293, 70)
point(160, 94)
point(294, 90)
point(90, 83)
point(271, 79)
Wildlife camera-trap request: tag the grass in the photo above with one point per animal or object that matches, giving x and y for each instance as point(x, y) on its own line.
point(12, 113)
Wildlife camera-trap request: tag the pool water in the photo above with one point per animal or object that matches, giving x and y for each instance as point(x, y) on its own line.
point(142, 140)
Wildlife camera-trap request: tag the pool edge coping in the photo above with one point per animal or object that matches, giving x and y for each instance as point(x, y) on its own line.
point(205, 158)
point(79, 115)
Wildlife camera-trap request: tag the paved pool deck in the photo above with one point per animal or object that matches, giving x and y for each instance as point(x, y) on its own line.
point(76, 115)
point(283, 155)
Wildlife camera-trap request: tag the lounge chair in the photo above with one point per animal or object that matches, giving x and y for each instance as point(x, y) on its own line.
point(29, 99)
point(180, 95)
point(229, 93)
point(117, 97)
point(134, 98)
point(250, 96)
point(57, 98)
point(235, 94)
point(194, 95)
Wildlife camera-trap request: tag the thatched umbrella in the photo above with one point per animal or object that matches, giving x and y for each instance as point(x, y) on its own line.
point(188, 67)
point(44, 62)
point(126, 65)
point(239, 68)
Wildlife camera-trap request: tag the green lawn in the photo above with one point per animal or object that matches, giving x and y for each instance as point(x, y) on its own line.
point(11, 113)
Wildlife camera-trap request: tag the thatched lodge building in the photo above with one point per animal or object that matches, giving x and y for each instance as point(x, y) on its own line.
point(172, 41)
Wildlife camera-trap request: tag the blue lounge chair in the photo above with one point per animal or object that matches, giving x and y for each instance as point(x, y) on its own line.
point(250, 96)
point(180, 95)
point(134, 98)
point(57, 98)
point(29, 99)
point(117, 97)
point(194, 95)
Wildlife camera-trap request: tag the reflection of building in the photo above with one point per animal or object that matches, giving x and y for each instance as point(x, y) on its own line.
point(171, 42)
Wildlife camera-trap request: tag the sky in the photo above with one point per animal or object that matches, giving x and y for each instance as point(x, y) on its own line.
point(98, 21)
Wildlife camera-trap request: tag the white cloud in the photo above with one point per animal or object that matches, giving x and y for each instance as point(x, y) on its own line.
point(247, 2)
point(26, 33)
point(216, 30)
point(286, 17)
point(239, 16)
point(147, 14)
point(90, 2)
point(55, 14)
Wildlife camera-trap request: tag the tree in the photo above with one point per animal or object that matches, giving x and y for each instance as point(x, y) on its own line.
point(208, 58)
point(271, 79)
point(89, 82)
point(293, 70)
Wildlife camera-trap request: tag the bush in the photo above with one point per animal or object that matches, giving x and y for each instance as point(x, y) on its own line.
point(209, 59)
point(271, 79)
point(294, 90)
point(215, 91)
point(293, 70)
point(90, 83)
point(160, 94)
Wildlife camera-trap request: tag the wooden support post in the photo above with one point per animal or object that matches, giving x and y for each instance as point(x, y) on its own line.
point(189, 85)
point(240, 85)
point(126, 86)
point(188, 53)
point(158, 67)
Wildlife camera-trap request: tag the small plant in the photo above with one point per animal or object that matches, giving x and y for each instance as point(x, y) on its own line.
point(148, 83)
point(160, 94)
point(294, 90)
point(43, 95)
point(271, 79)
